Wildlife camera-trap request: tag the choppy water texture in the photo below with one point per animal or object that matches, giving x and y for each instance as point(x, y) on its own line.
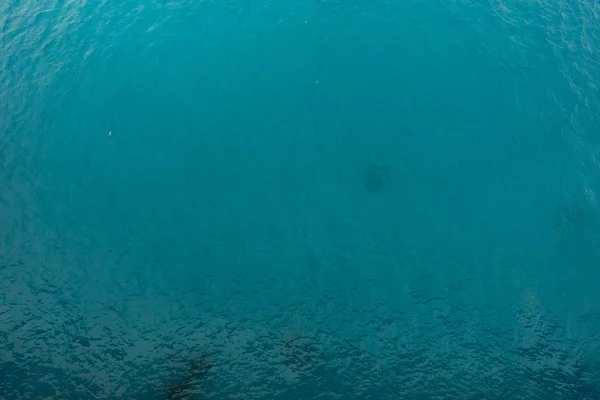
point(323, 199)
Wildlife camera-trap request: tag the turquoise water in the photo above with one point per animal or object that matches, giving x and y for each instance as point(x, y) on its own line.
point(324, 199)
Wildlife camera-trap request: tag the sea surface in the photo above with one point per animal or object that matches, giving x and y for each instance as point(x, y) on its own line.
point(300, 199)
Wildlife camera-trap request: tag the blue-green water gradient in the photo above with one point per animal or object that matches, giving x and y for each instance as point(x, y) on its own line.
point(324, 199)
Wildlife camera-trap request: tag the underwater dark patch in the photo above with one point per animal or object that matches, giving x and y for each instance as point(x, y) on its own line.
point(376, 178)
point(568, 218)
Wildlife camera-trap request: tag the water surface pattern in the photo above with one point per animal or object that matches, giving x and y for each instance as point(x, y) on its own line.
point(317, 199)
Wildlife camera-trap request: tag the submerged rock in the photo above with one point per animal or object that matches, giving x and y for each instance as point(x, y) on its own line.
point(299, 352)
point(189, 379)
